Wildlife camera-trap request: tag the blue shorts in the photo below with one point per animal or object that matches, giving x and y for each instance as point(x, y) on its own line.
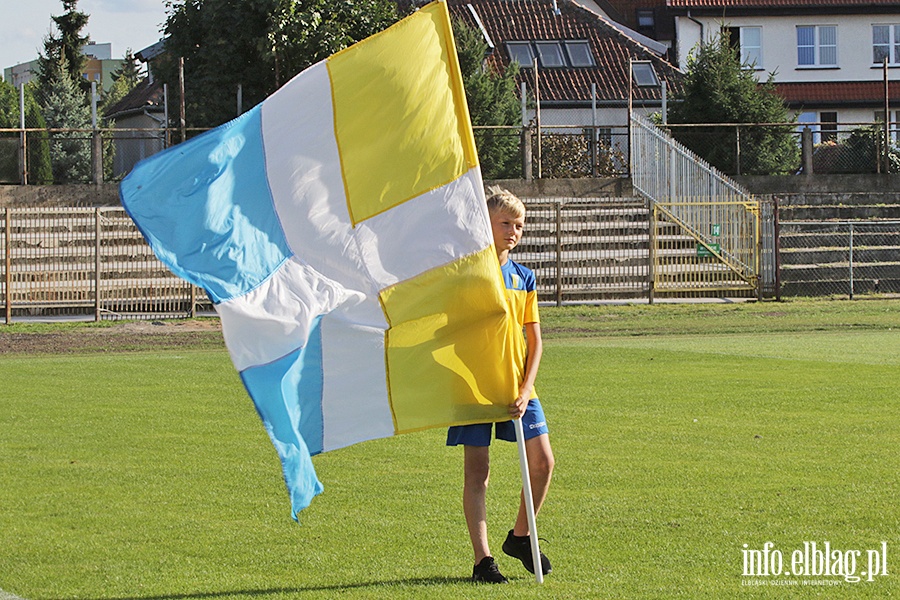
point(533, 424)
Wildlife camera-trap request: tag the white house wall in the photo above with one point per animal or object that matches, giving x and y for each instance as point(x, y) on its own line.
point(779, 44)
point(570, 119)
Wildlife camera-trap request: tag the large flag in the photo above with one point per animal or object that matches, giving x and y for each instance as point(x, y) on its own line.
point(340, 228)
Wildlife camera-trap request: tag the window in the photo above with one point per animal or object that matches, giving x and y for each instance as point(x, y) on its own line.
point(886, 44)
point(644, 75)
point(579, 54)
point(823, 125)
point(817, 45)
point(550, 54)
point(751, 46)
point(828, 125)
point(520, 52)
point(747, 41)
point(645, 19)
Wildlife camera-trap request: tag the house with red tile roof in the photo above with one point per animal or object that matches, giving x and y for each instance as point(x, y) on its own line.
point(582, 59)
point(827, 56)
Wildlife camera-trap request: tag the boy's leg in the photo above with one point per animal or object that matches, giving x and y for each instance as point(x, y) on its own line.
point(477, 471)
point(540, 470)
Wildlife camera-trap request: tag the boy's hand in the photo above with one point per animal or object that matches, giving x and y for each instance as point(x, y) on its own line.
point(517, 408)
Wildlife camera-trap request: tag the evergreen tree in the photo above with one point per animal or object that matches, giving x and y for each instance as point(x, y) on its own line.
point(125, 79)
point(62, 51)
point(70, 152)
point(129, 72)
point(492, 100)
point(719, 89)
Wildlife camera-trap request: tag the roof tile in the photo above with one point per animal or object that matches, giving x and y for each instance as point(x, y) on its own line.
point(512, 20)
point(837, 92)
point(779, 3)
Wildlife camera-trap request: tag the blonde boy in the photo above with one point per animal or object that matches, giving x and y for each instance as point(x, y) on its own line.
point(507, 215)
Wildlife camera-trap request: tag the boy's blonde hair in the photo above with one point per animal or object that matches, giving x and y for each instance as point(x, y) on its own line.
point(503, 200)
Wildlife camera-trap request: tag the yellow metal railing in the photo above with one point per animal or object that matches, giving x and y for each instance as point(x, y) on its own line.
point(705, 246)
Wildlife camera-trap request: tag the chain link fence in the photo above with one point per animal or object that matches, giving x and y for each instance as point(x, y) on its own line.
point(794, 148)
point(842, 258)
point(560, 151)
point(74, 156)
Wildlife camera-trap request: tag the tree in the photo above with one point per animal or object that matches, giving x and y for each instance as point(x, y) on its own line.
point(719, 89)
point(301, 34)
point(125, 78)
point(70, 152)
point(62, 52)
point(493, 101)
point(258, 45)
point(38, 150)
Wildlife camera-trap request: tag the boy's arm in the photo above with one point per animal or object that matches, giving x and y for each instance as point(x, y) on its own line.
point(532, 362)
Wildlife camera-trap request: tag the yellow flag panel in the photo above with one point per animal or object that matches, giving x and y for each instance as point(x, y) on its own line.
point(417, 108)
point(448, 356)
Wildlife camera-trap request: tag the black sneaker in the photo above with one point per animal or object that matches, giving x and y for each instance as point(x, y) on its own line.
point(520, 547)
point(487, 572)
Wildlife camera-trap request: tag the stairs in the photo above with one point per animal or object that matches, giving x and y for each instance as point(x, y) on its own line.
point(596, 249)
point(816, 236)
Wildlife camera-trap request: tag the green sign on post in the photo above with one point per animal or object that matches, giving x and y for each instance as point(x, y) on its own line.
point(704, 252)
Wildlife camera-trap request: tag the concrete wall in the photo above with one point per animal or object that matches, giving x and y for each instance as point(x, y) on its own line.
point(606, 187)
point(881, 188)
point(827, 184)
point(19, 196)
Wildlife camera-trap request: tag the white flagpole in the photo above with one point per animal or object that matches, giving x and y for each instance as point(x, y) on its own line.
point(529, 502)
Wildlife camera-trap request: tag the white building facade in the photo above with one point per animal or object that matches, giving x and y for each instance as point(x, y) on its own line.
point(827, 57)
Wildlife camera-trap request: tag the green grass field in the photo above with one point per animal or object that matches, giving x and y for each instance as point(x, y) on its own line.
point(682, 433)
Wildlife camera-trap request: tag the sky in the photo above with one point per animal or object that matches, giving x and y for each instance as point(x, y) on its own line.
point(125, 24)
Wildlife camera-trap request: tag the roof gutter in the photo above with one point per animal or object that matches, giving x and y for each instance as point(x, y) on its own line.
point(699, 24)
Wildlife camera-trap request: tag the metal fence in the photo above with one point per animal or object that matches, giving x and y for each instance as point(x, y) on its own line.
point(85, 261)
point(824, 148)
point(845, 258)
point(94, 263)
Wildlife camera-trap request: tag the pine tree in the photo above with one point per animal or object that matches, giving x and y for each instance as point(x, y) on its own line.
point(62, 51)
point(719, 89)
point(70, 152)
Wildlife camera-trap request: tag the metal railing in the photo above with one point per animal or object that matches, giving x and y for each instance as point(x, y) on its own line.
point(587, 249)
point(93, 262)
point(686, 191)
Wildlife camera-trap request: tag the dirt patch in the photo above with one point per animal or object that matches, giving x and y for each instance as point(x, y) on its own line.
point(131, 336)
